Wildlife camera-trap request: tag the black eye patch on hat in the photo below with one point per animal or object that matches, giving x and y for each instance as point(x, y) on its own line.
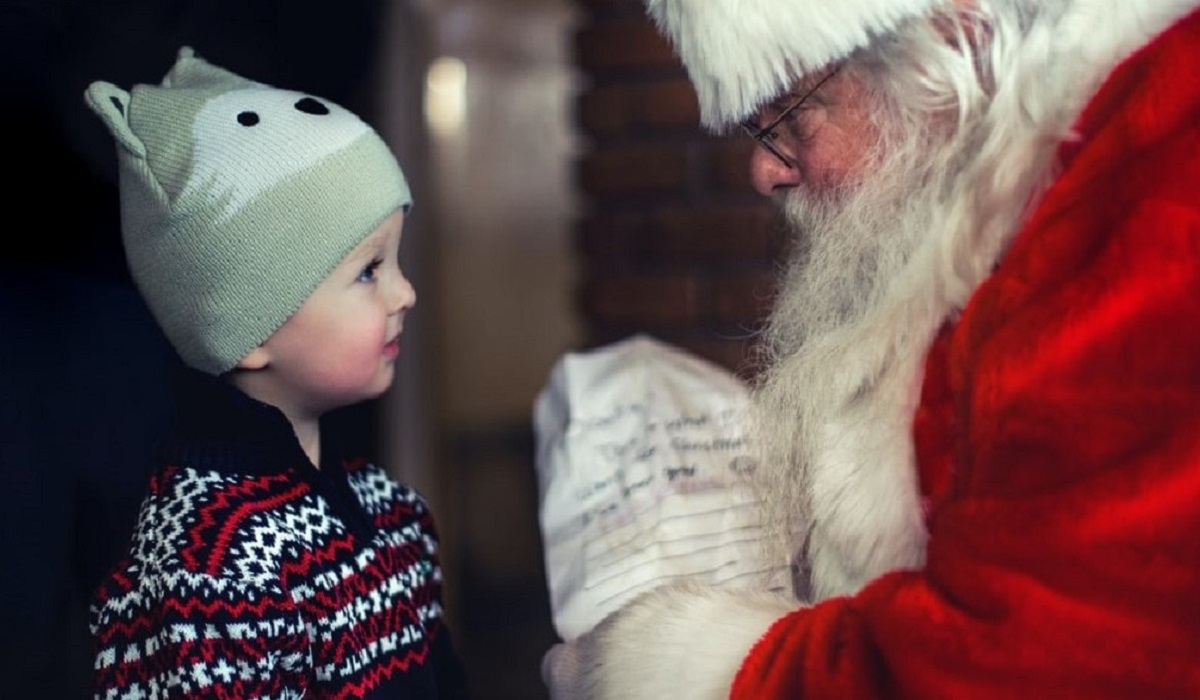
point(308, 105)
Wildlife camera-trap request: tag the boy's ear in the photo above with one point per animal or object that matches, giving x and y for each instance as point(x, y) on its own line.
point(258, 358)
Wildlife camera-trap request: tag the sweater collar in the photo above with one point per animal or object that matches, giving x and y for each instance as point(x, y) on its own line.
point(219, 427)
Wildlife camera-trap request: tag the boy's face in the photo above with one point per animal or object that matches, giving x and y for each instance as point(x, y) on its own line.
point(341, 345)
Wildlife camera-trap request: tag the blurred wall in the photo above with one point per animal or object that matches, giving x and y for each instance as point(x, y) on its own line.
point(502, 168)
point(674, 241)
point(495, 271)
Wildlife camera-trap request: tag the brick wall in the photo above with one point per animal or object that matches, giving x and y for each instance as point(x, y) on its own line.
point(673, 239)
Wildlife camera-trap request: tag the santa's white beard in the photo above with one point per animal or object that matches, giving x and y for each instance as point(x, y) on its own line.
point(851, 243)
point(885, 261)
point(843, 349)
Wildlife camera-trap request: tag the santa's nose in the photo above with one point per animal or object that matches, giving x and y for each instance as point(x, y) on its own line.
point(770, 174)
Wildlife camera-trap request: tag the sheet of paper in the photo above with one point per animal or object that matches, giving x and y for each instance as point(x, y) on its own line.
point(641, 455)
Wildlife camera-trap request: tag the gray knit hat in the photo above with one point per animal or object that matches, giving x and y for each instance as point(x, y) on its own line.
point(237, 200)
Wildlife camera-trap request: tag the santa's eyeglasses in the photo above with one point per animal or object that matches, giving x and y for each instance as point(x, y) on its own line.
point(779, 136)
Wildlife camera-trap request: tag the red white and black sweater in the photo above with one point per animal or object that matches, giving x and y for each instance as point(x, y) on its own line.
point(251, 574)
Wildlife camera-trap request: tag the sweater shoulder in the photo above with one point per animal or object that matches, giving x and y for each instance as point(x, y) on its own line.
point(389, 504)
point(230, 526)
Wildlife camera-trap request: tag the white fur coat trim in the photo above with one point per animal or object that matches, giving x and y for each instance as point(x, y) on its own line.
point(741, 53)
point(684, 641)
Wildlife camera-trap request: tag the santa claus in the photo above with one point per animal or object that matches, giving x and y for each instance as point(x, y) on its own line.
point(980, 421)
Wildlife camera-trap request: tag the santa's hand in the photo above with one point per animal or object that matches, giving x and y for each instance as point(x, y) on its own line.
point(676, 641)
point(562, 671)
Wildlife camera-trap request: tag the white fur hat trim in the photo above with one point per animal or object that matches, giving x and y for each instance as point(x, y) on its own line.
point(741, 53)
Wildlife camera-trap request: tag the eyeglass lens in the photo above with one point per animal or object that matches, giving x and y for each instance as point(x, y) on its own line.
point(770, 137)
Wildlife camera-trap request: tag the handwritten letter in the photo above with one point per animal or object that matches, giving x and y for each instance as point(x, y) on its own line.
point(641, 453)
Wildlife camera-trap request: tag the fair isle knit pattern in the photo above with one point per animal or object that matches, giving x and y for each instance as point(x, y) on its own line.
point(272, 583)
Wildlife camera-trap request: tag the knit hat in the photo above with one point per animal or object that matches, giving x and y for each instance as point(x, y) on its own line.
point(741, 53)
point(237, 200)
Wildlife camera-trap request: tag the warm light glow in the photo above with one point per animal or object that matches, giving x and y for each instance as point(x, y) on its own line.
point(446, 95)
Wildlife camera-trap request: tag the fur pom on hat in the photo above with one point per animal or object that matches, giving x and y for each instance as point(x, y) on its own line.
point(237, 200)
point(741, 53)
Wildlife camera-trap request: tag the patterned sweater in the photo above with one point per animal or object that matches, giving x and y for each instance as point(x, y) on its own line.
point(251, 574)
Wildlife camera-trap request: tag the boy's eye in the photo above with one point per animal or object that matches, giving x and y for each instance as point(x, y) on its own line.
point(368, 272)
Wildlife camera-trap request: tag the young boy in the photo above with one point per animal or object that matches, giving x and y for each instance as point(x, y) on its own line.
point(262, 227)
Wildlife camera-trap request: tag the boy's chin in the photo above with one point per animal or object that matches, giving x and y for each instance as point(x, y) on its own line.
point(367, 391)
point(386, 381)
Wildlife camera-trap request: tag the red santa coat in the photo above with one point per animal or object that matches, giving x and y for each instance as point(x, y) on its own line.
point(1058, 444)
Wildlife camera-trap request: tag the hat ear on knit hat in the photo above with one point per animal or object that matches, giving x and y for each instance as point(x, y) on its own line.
point(740, 54)
point(110, 103)
point(237, 200)
point(191, 70)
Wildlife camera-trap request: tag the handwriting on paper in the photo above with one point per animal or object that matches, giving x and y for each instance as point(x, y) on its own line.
point(643, 452)
point(639, 452)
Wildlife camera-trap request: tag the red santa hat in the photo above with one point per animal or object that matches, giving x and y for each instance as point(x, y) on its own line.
point(742, 53)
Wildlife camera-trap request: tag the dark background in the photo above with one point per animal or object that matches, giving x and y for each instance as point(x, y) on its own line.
point(83, 368)
point(63, 172)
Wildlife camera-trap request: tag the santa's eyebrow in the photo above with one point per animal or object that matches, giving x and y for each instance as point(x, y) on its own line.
point(807, 88)
point(786, 99)
point(783, 99)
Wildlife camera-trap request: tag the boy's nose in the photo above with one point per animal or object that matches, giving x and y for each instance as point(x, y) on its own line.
point(401, 294)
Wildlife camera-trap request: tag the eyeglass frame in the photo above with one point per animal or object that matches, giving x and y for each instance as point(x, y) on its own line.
point(765, 135)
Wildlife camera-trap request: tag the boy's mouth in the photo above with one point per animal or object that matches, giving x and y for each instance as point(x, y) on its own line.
point(392, 347)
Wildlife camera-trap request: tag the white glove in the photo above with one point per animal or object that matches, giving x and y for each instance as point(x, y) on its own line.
point(562, 671)
point(680, 640)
